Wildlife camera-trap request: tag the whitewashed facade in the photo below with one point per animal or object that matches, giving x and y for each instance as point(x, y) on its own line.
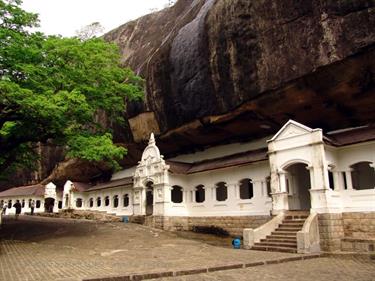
point(297, 169)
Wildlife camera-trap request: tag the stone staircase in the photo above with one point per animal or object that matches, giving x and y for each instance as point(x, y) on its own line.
point(284, 238)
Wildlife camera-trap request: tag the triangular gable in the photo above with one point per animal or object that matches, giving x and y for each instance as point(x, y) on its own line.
point(291, 129)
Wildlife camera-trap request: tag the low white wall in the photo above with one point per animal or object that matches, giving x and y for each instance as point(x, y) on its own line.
point(26, 209)
point(120, 192)
point(259, 204)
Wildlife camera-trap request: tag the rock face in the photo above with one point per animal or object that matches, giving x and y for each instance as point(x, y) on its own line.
point(220, 70)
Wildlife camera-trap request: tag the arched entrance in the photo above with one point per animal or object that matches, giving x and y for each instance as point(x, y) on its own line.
point(48, 205)
point(298, 184)
point(149, 199)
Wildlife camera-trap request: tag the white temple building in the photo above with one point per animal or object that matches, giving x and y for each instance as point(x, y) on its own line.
point(248, 189)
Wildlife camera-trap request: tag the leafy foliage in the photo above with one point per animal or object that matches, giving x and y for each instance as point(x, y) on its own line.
point(52, 89)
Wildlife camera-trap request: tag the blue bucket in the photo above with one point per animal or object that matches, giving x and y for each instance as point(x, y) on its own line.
point(236, 243)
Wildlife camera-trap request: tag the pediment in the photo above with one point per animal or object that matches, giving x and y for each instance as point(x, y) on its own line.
point(291, 129)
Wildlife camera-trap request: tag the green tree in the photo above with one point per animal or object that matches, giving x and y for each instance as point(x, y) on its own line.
point(53, 88)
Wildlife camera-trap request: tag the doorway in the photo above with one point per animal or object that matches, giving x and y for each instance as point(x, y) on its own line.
point(149, 199)
point(298, 185)
point(49, 203)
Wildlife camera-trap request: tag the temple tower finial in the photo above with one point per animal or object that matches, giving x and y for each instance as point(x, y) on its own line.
point(152, 139)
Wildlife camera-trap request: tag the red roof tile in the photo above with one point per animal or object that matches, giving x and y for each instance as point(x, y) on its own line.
point(237, 159)
point(81, 186)
point(125, 182)
point(351, 136)
point(30, 190)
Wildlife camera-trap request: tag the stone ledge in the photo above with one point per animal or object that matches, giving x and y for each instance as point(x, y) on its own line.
point(155, 275)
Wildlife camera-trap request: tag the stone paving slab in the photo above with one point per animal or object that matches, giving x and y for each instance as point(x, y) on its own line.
point(326, 268)
point(153, 275)
point(32, 249)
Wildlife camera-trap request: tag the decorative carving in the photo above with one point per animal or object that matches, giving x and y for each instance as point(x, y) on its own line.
point(152, 165)
point(50, 190)
point(160, 193)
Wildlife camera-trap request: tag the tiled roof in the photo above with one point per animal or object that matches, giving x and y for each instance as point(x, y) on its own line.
point(125, 182)
point(237, 159)
point(30, 190)
point(81, 186)
point(351, 136)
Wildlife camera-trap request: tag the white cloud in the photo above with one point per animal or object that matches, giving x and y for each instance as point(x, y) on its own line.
point(66, 16)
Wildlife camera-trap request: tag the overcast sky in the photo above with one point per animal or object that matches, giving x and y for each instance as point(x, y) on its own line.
point(66, 16)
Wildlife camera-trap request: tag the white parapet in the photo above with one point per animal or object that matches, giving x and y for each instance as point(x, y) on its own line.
point(252, 236)
point(308, 238)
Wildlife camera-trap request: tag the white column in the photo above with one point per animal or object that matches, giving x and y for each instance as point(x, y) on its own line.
point(257, 188)
point(212, 191)
point(282, 180)
point(336, 180)
point(313, 181)
point(232, 192)
point(349, 182)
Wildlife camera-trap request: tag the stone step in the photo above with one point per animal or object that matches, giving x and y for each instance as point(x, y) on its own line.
point(294, 218)
point(279, 239)
point(278, 244)
point(299, 212)
point(282, 238)
point(284, 233)
point(289, 228)
point(293, 222)
point(273, 249)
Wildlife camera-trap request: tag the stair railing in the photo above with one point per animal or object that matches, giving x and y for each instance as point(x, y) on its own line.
point(308, 240)
point(252, 236)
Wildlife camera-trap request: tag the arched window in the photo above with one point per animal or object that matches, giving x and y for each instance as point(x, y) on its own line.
point(37, 204)
point(91, 202)
point(106, 201)
point(246, 189)
point(98, 202)
point(268, 186)
point(199, 194)
point(79, 203)
point(23, 203)
point(331, 181)
point(29, 203)
point(126, 200)
point(59, 205)
point(363, 176)
point(9, 204)
point(115, 201)
point(176, 194)
point(221, 191)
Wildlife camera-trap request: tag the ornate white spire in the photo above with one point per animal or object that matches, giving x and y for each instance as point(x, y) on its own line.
point(151, 151)
point(152, 139)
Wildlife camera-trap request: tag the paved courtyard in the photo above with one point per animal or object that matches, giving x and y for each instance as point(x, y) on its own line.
point(36, 248)
point(320, 269)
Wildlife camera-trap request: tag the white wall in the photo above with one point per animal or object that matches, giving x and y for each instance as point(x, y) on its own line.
point(260, 204)
point(111, 192)
point(25, 209)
